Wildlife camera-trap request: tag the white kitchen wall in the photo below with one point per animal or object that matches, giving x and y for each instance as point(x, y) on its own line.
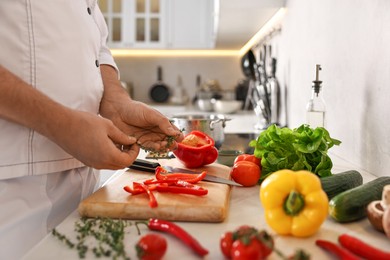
point(351, 40)
point(141, 72)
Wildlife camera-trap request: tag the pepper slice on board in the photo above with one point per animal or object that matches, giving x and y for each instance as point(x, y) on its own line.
point(183, 187)
point(162, 174)
point(180, 183)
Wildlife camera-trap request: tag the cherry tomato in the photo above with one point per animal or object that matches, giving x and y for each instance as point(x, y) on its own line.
point(226, 243)
point(247, 157)
point(151, 247)
point(247, 251)
point(246, 173)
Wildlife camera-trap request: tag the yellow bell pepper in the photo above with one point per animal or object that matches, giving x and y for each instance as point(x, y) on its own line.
point(294, 202)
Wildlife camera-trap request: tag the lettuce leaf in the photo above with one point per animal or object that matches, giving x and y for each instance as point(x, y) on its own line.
point(302, 148)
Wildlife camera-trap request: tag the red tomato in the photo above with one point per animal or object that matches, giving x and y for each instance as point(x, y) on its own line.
point(248, 157)
point(151, 247)
point(253, 244)
point(226, 243)
point(246, 173)
point(244, 231)
point(267, 243)
point(249, 251)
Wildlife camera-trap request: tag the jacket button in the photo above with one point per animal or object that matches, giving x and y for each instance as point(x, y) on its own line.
point(89, 10)
point(97, 63)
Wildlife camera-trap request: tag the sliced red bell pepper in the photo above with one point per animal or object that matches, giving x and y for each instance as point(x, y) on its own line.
point(138, 189)
point(182, 183)
point(189, 177)
point(183, 187)
point(133, 191)
point(167, 181)
point(152, 198)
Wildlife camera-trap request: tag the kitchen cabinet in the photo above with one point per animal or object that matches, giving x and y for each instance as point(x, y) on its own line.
point(160, 24)
point(135, 23)
point(192, 24)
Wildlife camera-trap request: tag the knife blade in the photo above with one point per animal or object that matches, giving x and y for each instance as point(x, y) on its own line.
point(144, 165)
point(210, 178)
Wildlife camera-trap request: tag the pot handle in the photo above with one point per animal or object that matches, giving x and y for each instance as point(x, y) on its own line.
point(223, 120)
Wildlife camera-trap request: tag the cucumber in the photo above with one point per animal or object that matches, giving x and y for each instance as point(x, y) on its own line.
point(339, 182)
point(351, 205)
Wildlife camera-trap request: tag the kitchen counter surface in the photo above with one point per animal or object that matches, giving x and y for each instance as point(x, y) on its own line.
point(245, 208)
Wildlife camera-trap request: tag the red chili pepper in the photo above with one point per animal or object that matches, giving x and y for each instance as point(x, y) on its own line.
point(200, 152)
point(183, 189)
point(152, 198)
point(337, 250)
point(362, 249)
point(177, 231)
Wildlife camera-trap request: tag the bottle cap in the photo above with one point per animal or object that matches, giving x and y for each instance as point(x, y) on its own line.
point(317, 82)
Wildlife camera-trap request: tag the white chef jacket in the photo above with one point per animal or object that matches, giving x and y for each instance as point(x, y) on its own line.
point(56, 46)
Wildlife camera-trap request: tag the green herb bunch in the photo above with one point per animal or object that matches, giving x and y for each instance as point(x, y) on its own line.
point(302, 148)
point(107, 236)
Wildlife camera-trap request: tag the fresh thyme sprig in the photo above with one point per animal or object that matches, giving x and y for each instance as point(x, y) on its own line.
point(109, 234)
point(170, 139)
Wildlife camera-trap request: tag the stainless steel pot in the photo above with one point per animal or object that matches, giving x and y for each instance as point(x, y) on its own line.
point(212, 125)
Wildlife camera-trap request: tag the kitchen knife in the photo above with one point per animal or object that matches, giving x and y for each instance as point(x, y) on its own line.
point(144, 165)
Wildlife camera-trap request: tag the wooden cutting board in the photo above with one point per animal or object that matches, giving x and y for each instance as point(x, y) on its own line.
point(113, 202)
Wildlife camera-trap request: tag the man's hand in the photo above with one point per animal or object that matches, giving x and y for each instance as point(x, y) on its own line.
point(96, 142)
point(152, 129)
point(90, 138)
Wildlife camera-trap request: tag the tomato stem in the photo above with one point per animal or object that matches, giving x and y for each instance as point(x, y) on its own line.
point(294, 203)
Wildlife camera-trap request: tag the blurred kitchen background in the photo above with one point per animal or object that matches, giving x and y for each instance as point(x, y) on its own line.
point(349, 38)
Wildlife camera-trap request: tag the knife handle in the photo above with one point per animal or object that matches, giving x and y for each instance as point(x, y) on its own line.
point(144, 165)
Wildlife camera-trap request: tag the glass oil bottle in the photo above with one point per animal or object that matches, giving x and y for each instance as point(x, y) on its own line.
point(315, 109)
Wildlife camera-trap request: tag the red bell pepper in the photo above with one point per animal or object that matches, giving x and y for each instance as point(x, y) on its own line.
point(197, 149)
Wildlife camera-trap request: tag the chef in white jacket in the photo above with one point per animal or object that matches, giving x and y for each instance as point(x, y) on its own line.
point(63, 114)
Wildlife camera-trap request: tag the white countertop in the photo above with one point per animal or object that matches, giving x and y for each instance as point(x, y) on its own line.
point(245, 208)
